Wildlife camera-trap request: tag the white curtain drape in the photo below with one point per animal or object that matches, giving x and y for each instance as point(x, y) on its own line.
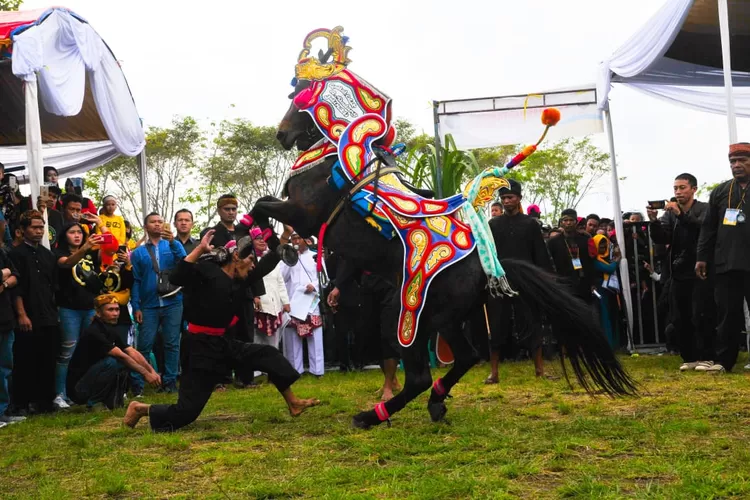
point(71, 158)
point(710, 99)
point(644, 48)
point(34, 147)
point(60, 50)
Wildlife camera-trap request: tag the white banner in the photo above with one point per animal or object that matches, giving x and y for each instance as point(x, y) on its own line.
point(499, 121)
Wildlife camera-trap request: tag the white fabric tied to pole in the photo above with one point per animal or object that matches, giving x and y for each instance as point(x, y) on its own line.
point(644, 48)
point(726, 55)
point(34, 146)
point(61, 50)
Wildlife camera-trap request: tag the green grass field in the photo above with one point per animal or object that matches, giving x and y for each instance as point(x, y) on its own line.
point(687, 436)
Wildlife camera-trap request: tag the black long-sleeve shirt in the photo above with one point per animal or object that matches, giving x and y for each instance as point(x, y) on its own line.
point(520, 237)
point(681, 232)
point(563, 249)
point(211, 297)
point(727, 246)
point(7, 317)
point(37, 268)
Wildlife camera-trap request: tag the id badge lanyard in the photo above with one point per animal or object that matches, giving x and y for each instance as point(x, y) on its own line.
point(576, 261)
point(736, 215)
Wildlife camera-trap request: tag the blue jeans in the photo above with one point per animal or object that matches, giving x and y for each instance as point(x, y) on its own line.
point(6, 367)
point(104, 383)
point(168, 320)
point(72, 324)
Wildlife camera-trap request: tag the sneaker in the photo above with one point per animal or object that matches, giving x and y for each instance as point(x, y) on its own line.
point(747, 366)
point(138, 396)
point(690, 366)
point(2, 424)
point(60, 403)
point(8, 419)
point(715, 368)
point(704, 366)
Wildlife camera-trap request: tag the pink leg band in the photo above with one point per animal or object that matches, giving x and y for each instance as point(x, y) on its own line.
point(381, 412)
point(438, 387)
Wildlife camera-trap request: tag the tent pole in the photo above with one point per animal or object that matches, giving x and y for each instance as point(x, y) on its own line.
point(726, 56)
point(617, 208)
point(438, 158)
point(143, 174)
point(34, 151)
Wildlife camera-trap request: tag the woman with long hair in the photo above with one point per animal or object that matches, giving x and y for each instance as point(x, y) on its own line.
point(78, 263)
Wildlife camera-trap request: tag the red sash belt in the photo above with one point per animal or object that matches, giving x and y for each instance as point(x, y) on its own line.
point(210, 330)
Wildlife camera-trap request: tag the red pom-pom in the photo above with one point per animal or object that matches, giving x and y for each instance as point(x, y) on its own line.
point(550, 117)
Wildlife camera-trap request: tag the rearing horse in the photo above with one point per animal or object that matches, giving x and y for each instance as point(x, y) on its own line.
point(346, 183)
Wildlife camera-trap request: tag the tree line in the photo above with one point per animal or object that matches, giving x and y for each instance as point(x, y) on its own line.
point(191, 166)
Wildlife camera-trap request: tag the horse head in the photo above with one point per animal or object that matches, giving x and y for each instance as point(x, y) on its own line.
point(327, 97)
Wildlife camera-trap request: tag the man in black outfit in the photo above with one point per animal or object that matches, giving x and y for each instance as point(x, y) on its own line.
point(224, 232)
point(693, 311)
point(99, 368)
point(725, 243)
point(214, 289)
point(38, 340)
point(517, 236)
point(571, 257)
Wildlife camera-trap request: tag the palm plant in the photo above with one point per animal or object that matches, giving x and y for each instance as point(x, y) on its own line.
point(457, 166)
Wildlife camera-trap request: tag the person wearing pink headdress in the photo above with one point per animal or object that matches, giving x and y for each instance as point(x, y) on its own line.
point(274, 303)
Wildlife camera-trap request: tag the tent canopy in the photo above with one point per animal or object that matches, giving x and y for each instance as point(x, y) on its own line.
point(83, 94)
point(677, 56)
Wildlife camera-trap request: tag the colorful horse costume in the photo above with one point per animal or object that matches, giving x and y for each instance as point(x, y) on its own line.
point(353, 116)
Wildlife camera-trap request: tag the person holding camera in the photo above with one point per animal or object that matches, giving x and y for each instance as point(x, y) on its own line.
point(690, 300)
point(157, 304)
point(725, 243)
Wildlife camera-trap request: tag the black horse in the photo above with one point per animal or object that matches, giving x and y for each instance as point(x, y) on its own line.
point(453, 295)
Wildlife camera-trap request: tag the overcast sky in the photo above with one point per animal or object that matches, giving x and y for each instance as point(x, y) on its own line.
point(235, 58)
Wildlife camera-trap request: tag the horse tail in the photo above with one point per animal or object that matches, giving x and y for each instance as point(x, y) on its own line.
point(576, 329)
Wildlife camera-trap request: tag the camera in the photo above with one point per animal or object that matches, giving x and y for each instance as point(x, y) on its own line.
point(657, 205)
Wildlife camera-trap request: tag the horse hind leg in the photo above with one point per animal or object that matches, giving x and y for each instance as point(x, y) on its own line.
point(465, 357)
point(417, 380)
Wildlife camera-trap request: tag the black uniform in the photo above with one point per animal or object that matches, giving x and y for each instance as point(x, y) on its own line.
point(212, 300)
point(563, 249)
point(35, 352)
point(693, 312)
point(516, 237)
point(728, 247)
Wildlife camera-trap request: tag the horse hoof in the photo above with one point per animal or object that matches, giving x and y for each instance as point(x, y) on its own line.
point(365, 420)
point(437, 411)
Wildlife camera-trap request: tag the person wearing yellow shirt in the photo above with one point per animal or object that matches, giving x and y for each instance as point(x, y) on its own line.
point(115, 223)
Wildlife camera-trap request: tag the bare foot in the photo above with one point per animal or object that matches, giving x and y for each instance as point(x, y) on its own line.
point(135, 412)
point(396, 385)
point(300, 405)
point(387, 394)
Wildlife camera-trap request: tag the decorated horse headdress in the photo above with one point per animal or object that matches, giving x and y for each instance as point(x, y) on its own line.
point(336, 96)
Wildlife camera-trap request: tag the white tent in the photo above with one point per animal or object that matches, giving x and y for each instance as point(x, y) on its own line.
point(682, 55)
point(60, 67)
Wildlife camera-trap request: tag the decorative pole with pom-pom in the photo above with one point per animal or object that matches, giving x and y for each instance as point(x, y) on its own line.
point(550, 117)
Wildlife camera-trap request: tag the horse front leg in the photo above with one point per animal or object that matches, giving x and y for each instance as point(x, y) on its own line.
point(283, 211)
point(417, 380)
point(465, 358)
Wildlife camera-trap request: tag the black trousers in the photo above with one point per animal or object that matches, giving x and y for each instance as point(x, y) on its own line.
point(34, 360)
point(507, 314)
point(345, 322)
point(380, 309)
point(207, 359)
point(732, 288)
point(693, 315)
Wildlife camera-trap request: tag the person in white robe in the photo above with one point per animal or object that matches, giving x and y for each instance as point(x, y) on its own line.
point(306, 324)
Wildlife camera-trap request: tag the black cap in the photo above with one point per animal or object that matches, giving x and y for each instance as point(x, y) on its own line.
point(515, 188)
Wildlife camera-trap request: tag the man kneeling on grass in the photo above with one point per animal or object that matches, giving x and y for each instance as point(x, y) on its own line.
point(214, 282)
point(101, 362)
